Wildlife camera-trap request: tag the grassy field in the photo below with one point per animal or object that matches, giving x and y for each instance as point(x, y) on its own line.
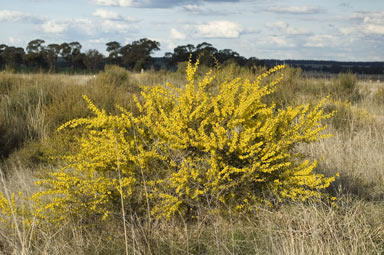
point(33, 106)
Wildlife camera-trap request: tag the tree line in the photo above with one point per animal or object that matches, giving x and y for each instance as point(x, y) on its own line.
point(133, 56)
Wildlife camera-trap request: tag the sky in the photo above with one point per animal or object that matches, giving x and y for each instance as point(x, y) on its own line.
point(270, 29)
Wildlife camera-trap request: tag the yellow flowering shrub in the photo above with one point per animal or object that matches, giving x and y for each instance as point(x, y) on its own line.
point(226, 147)
point(215, 143)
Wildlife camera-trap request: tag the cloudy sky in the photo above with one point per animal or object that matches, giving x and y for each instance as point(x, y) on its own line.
point(345, 30)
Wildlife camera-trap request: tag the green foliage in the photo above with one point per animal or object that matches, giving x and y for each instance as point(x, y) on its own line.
point(137, 55)
point(93, 59)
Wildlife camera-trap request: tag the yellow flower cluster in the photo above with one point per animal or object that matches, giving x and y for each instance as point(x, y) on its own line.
point(225, 144)
point(102, 170)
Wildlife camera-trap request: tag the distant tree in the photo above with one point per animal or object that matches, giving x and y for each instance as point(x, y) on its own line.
point(226, 54)
point(36, 56)
point(253, 62)
point(75, 48)
point(138, 54)
point(13, 57)
point(93, 60)
point(65, 52)
point(52, 52)
point(230, 56)
point(180, 54)
point(206, 53)
point(77, 57)
point(35, 46)
point(2, 48)
point(114, 57)
point(71, 52)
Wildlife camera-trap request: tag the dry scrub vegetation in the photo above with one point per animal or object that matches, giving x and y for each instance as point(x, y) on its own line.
point(142, 218)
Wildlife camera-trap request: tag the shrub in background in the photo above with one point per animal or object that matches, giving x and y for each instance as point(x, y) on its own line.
point(379, 96)
point(117, 76)
point(348, 117)
point(345, 87)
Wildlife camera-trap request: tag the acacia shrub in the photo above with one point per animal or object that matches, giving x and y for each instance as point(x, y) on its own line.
point(227, 149)
point(213, 144)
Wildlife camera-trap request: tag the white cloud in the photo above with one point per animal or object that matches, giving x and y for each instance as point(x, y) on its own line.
point(6, 15)
point(320, 41)
point(86, 26)
point(192, 8)
point(75, 27)
point(367, 23)
point(54, 27)
point(295, 9)
point(374, 29)
point(287, 29)
point(349, 30)
point(155, 3)
point(14, 40)
point(177, 35)
point(121, 3)
point(111, 15)
point(110, 26)
point(105, 14)
point(280, 41)
point(17, 16)
point(218, 29)
point(204, 10)
point(98, 41)
point(373, 23)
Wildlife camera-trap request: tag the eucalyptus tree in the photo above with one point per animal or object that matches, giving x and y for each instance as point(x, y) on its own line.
point(52, 53)
point(36, 55)
point(12, 57)
point(137, 55)
point(93, 60)
point(114, 50)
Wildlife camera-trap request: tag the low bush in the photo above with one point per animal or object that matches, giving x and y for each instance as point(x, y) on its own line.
point(345, 87)
point(379, 96)
point(117, 76)
point(347, 117)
